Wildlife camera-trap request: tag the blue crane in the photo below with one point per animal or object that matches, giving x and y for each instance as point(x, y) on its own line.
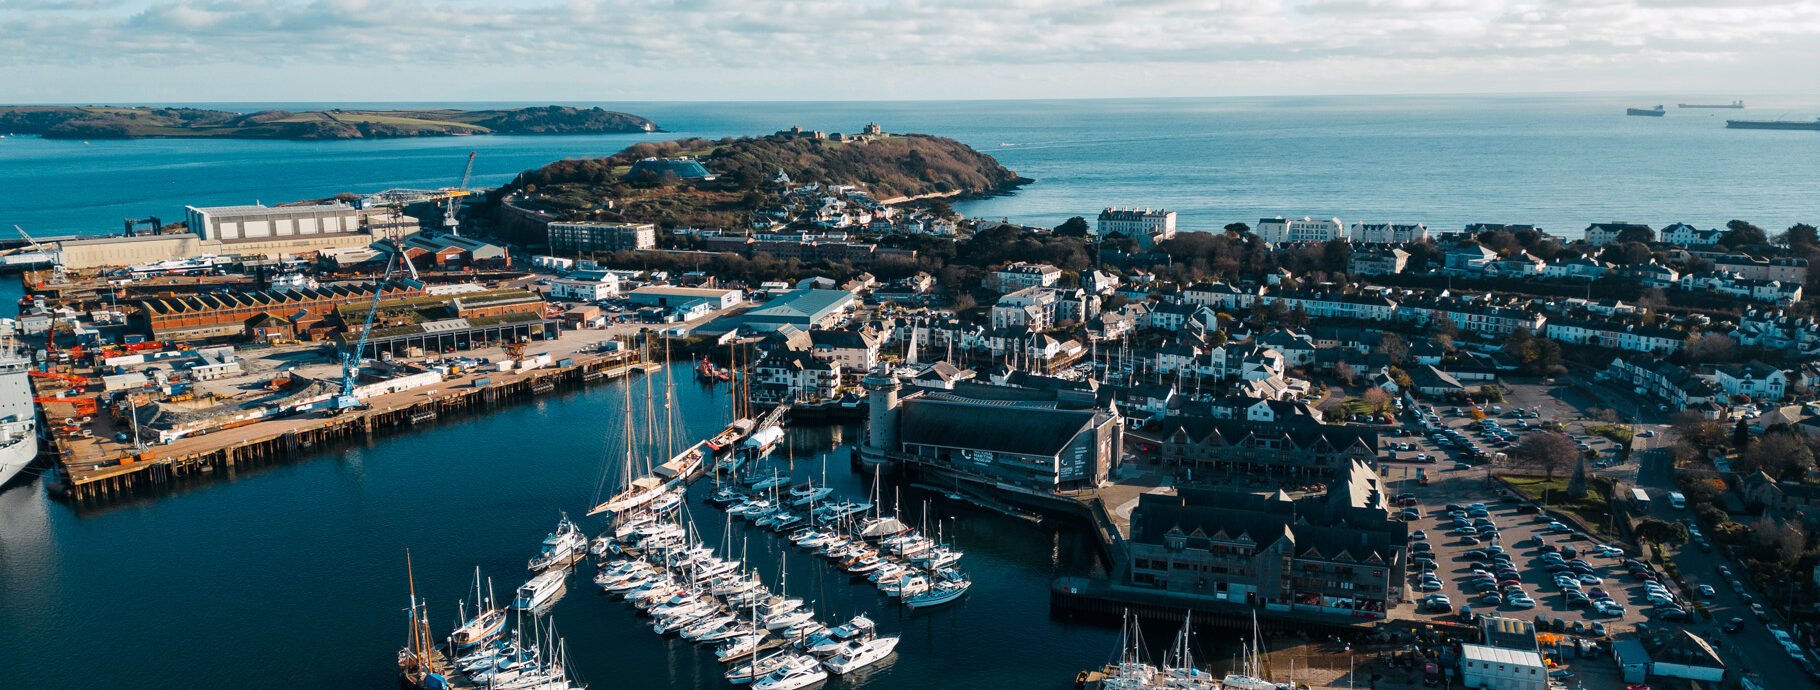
point(350, 358)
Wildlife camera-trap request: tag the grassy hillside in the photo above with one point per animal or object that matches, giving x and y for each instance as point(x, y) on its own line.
point(108, 122)
point(898, 165)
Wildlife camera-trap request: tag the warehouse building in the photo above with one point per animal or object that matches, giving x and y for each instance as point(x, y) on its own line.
point(226, 314)
point(259, 222)
point(668, 296)
point(368, 227)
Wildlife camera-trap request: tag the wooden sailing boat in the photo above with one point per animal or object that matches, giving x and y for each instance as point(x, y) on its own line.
point(414, 658)
point(640, 486)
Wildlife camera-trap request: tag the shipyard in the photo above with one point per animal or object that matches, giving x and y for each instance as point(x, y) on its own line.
point(807, 429)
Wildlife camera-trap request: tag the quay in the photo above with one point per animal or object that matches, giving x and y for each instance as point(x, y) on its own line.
point(85, 476)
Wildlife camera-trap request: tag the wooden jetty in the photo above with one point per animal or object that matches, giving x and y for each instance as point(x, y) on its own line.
point(224, 450)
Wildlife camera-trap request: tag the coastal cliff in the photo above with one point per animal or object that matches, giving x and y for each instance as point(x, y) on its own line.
point(739, 176)
point(108, 122)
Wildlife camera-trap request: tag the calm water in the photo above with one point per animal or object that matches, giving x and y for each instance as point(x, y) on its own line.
point(293, 575)
point(1556, 161)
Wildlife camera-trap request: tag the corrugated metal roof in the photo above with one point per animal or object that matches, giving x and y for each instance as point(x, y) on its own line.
point(1500, 655)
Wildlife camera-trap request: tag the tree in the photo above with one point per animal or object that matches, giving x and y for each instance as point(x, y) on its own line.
point(1626, 253)
point(1801, 238)
point(1548, 451)
point(1662, 531)
point(1636, 234)
point(1741, 234)
point(1073, 227)
point(941, 209)
point(1401, 378)
point(1392, 346)
point(1741, 434)
point(1376, 397)
point(1216, 338)
point(1344, 372)
point(1779, 453)
point(1237, 228)
point(1709, 347)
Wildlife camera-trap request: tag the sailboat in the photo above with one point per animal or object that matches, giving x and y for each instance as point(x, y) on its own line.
point(1129, 672)
point(1251, 668)
point(414, 664)
point(1179, 671)
point(488, 621)
point(641, 488)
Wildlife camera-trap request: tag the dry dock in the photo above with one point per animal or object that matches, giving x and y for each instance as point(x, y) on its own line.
point(88, 474)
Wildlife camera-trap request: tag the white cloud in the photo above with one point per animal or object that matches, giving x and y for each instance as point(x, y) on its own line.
point(838, 49)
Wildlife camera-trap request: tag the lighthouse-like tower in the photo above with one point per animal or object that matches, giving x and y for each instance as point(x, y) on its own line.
point(881, 427)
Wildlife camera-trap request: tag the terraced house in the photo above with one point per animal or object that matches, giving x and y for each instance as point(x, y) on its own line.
point(1295, 447)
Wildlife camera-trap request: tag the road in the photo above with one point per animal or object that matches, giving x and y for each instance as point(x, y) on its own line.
point(1751, 650)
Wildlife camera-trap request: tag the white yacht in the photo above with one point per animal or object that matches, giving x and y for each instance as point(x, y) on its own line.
point(560, 546)
point(797, 672)
point(18, 416)
point(856, 654)
point(539, 590)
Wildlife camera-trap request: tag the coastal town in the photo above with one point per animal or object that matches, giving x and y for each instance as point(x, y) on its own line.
point(1498, 457)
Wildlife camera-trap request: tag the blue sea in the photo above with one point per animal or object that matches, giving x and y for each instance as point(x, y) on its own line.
point(1558, 161)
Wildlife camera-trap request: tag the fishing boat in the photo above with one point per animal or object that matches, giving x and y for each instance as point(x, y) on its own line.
point(484, 627)
point(856, 654)
point(539, 590)
point(560, 547)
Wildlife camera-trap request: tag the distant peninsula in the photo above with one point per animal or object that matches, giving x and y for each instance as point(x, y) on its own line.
point(721, 183)
point(110, 122)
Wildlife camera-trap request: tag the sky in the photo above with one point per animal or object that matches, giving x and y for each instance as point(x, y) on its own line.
point(190, 51)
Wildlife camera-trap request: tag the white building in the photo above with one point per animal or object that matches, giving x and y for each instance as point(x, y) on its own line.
point(1279, 230)
point(604, 237)
point(1148, 226)
point(1032, 307)
point(1684, 235)
point(1755, 379)
point(258, 222)
point(1020, 275)
point(585, 286)
point(1388, 233)
point(1497, 668)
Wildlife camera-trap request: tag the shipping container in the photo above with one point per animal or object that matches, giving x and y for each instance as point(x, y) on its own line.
point(566, 362)
point(482, 382)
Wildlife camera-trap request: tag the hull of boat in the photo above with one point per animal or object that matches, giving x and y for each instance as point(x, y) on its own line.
point(18, 417)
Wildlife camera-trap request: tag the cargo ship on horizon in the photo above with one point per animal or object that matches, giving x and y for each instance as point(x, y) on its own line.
point(1734, 105)
point(1657, 111)
point(1773, 124)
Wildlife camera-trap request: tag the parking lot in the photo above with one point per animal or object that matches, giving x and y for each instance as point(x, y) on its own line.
point(1520, 583)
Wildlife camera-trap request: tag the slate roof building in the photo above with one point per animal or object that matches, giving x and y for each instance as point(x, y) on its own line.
point(1028, 444)
point(1336, 553)
point(1291, 445)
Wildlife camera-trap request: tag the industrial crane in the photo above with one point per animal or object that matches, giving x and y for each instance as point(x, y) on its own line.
point(350, 358)
point(449, 221)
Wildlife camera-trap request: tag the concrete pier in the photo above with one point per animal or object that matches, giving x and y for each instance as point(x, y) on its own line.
point(92, 479)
